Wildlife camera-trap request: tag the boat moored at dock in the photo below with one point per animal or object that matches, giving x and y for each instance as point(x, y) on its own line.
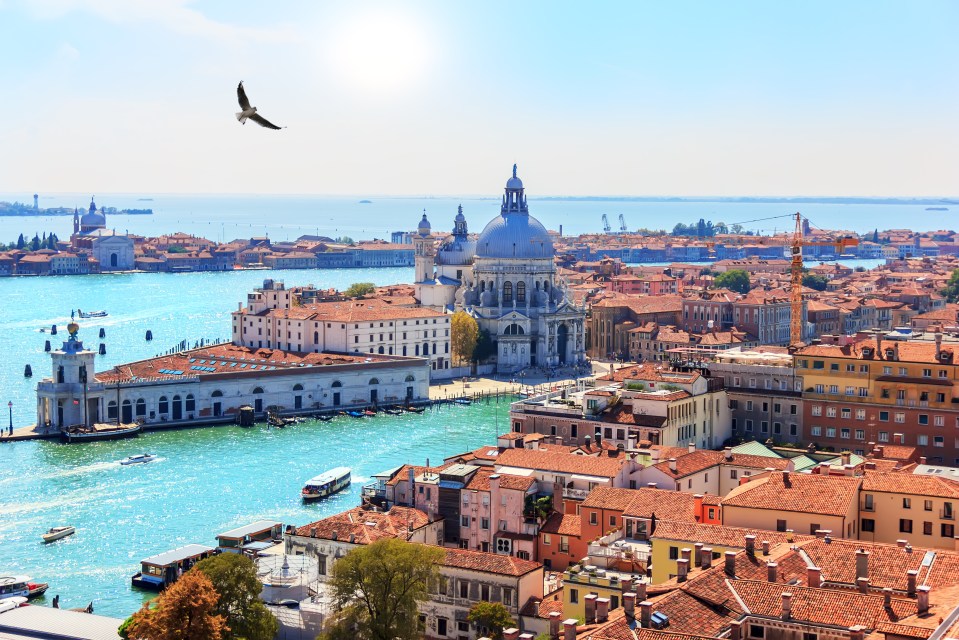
point(326, 484)
point(96, 432)
point(14, 586)
point(160, 571)
point(249, 538)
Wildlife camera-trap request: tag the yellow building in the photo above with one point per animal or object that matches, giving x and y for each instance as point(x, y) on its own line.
point(804, 503)
point(580, 582)
point(883, 391)
point(905, 506)
point(706, 545)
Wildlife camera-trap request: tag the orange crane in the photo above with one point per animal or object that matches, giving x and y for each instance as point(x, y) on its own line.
point(796, 271)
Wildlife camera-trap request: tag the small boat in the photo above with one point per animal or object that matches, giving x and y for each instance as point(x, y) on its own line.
point(11, 603)
point(326, 484)
point(463, 401)
point(324, 418)
point(14, 587)
point(92, 314)
point(413, 409)
point(140, 458)
point(37, 589)
point(392, 412)
point(369, 413)
point(57, 533)
point(355, 414)
point(82, 433)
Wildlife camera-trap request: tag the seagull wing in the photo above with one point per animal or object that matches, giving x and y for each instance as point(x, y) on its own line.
point(263, 122)
point(241, 94)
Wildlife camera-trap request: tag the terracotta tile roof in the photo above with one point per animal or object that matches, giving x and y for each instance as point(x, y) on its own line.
point(721, 535)
point(562, 524)
point(909, 351)
point(690, 614)
point(702, 459)
point(909, 483)
point(365, 526)
point(665, 505)
point(488, 562)
point(605, 467)
point(652, 373)
point(828, 495)
point(481, 481)
point(613, 498)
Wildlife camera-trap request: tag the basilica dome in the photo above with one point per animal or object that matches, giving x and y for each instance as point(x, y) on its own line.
point(514, 235)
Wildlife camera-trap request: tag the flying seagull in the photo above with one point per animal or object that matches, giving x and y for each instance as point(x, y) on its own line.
point(250, 112)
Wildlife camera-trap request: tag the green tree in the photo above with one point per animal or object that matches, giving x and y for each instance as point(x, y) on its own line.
point(491, 615)
point(21, 243)
point(815, 281)
point(35, 243)
point(734, 279)
point(234, 577)
point(736, 229)
point(184, 611)
point(360, 289)
point(875, 236)
point(485, 346)
point(464, 335)
point(951, 292)
point(377, 587)
point(345, 240)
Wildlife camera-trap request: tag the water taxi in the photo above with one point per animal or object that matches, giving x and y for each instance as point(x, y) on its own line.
point(140, 458)
point(14, 587)
point(92, 314)
point(160, 571)
point(326, 484)
point(56, 533)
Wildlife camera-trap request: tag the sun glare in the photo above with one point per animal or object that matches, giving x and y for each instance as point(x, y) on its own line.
point(382, 51)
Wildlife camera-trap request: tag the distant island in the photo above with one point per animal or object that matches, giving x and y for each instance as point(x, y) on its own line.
point(366, 202)
point(757, 199)
point(25, 210)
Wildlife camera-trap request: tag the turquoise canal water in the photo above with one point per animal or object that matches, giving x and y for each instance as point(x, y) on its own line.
point(204, 482)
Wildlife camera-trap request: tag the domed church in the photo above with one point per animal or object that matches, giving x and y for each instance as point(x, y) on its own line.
point(506, 279)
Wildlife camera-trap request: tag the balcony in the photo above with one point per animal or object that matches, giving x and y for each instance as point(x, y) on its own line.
point(373, 491)
point(575, 494)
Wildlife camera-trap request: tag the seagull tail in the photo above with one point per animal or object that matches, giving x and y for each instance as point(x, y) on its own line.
point(241, 117)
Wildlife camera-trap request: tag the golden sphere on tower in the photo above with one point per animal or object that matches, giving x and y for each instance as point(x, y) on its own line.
point(72, 328)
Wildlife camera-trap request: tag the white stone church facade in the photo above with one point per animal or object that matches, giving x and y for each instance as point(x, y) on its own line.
point(507, 280)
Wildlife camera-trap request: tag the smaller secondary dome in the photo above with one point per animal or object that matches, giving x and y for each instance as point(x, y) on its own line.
point(514, 182)
point(424, 227)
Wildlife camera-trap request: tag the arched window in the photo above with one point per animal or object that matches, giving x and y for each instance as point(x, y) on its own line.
point(374, 381)
point(482, 286)
point(507, 291)
point(298, 387)
point(514, 330)
point(258, 390)
point(537, 285)
point(112, 410)
point(141, 407)
point(164, 405)
point(336, 383)
point(410, 378)
point(217, 394)
point(426, 348)
point(190, 402)
point(520, 291)
point(316, 337)
point(404, 349)
point(381, 350)
point(417, 349)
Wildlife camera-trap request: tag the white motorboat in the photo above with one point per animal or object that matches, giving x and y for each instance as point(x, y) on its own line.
point(326, 484)
point(14, 587)
point(140, 458)
point(56, 533)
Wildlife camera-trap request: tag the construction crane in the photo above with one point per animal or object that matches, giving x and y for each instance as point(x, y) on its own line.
point(622, 224)
point(606, 226)
point(796, 272)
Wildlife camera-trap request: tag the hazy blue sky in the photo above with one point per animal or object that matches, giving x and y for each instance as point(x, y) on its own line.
point(675, 98)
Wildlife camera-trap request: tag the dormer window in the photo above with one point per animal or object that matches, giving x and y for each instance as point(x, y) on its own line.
point(890, 354)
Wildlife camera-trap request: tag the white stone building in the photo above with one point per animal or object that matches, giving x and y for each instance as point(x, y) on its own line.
point(114, 251)
point(210, 384)
point(507, 280)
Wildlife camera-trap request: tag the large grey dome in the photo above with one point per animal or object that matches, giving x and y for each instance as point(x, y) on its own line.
point(514, 235)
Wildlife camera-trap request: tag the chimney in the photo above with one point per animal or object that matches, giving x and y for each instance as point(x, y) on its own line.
point(730, 567)
point(751, 544)
point(887, 597)
point(510, 634)
point(911, 576)
point(735, 630)
point(772, 571)
point(863, 585)
point(707, 558)
point(590, 601)
point(599, 439)
point(814, 577)
point(938, 345)
point(569, 628)
point(846, 457)
point(645, 614)
point(880, 450)
point(626, 584)
point(857, 632)
point(824, 468)
point(558, 504)
point(895, 348)
point(728, 453)
point(640, 591)
point(672, 465)
point(787, 605)
point(922, 600)
point(629, 605)
point(682, 569)
point(787, 481)
point(526, 636)
point(691, 447)
point(862, 563)
point(697, 554)
point(922, 459)
point(879, 337)
point(554, 624)
point(765, 547)
point(602, 609)
point(686, 553)
point(655, 455)
point(901, 543)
